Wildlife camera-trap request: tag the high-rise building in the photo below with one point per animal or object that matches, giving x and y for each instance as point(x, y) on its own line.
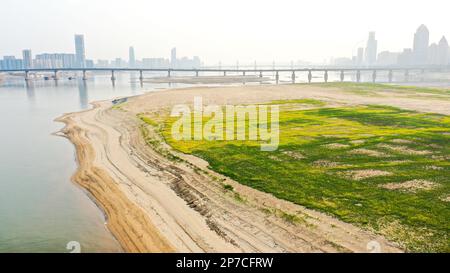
point(443, 52)
point(80, 51)
point(155, 63)
point(173, 57)
point(27, 58)
point(131, 57)
point(55, 60)
point(387, 58)
point(433, 54)
point(102, 63)
point(406, 57)
point(118, 63)
point(420, 46)
point(11, 63)
point(371, 49)
point(360, 56)
point(89, 63)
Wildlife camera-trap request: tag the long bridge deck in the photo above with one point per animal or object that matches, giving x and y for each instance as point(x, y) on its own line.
point(342, 70)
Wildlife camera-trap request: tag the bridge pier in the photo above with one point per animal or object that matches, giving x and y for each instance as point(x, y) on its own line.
point(243, 73)
point(342, 75)
point(260, 74)
point(390, 75)
point(84, 75)
point(358, 76)
point(196, 73)
point(293, 76)
point(27, 75)
point(224, 73)
point(277, 76)
point(406, 75)
point(374, 76)
point(113, 76)
point(309, 76)
point(168, 73)
point(141, 75)
point(55, 75)
point(325, 76)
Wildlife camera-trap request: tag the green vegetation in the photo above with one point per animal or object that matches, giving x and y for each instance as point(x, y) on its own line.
point(299, 101)
point(371, 89)
point(119, 106)
point(148, 120)
point(228, 187)
point(350, 162)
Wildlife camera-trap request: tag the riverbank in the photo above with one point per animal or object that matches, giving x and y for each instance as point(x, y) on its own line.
point(131, 227)
point(157, 204)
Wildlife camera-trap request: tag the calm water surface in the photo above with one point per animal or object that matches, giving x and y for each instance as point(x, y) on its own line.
point(40, 209)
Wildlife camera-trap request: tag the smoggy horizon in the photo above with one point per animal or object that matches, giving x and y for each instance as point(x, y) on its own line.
point(280, 31)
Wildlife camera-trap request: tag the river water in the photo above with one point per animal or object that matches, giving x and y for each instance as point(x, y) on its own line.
point(41, 210)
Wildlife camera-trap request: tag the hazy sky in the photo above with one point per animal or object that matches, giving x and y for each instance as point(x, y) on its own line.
point(230, 30)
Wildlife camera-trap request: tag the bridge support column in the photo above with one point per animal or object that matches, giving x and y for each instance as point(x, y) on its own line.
point(243, 73)
point(309, 76)
point(390, 75)
point(422, 74)
point(325, 76)
point(293, 76)
point(55, 75)
point(260, 74)
point(277, 76)
point(27, 75)
point(196, 73)
point(168, 73)
point(141, 75)
point(113, 76)
point(342, 75)
point(358, 76)
point(224, 73)
point(84, 75)
point(406, 75)
point(374, 76)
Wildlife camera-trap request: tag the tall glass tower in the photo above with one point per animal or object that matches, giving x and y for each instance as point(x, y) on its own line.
point(79, 51)
point(131, 58)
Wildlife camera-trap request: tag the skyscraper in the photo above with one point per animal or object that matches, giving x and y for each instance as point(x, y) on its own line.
point(360, 56)
point(173, 57)
point(443, 52)
point(433, 54)
point(131, 57)
point(80, 51)
point(371, 49)
point(420, 46)
point(27, 58)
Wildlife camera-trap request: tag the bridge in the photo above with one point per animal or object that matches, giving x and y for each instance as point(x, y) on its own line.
point(405, 71)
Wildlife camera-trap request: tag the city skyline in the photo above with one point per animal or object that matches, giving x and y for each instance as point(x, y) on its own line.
point(422, 52)
point(245, 34)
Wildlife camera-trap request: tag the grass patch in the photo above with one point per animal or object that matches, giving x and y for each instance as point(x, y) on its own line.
point(299, 101)
point(228, 187)
point(362, 201)
point(373, 88)
point(148, 120)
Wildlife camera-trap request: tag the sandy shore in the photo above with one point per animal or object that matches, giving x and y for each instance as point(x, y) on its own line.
point(156, 205)
point(208, 79)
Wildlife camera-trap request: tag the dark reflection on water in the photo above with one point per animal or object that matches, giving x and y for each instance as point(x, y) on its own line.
point(83, 93)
